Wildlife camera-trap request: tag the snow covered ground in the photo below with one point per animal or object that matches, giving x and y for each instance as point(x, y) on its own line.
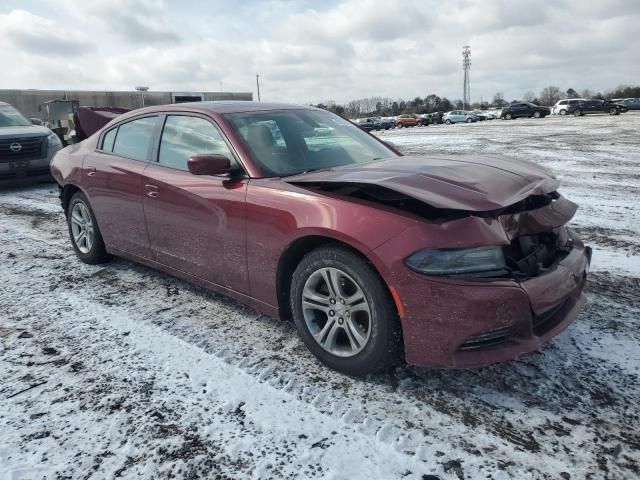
point(121, 371)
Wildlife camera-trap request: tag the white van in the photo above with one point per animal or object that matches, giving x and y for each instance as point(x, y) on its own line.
point(560, 108)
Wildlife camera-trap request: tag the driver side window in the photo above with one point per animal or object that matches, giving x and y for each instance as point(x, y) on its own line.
point(184, 136)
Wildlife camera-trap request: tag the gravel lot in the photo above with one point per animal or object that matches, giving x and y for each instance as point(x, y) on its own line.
point(121, 371)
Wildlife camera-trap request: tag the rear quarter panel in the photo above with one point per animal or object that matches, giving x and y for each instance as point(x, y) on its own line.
point(66, 165)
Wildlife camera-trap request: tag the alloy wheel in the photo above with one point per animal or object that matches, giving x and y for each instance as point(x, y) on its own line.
point(82, 227)
point(336, 312)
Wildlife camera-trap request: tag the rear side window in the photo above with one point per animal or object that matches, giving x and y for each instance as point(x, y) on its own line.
point(184, 136)
point(133, 138)
point(107, 141)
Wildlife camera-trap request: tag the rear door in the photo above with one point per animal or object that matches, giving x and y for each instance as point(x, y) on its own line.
point(196, 223)
point(520, 110)
point(589, 106)
point(114, 184)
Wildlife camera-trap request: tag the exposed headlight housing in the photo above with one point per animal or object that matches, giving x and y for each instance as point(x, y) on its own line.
point(479, 261)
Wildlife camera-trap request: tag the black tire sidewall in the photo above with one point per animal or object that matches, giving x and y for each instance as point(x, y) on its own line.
point(98, 253)
point(383, 347)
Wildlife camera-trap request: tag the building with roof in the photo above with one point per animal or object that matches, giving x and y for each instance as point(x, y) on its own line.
point(30, 102)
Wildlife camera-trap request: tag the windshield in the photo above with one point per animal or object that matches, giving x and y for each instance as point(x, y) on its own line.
point(287, 142)
point(10, 117)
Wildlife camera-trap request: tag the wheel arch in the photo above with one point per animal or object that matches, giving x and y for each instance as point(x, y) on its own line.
point(68, 191)
point(293, 254)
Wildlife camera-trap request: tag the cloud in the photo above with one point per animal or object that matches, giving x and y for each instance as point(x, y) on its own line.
point(33, 34)
point(309, 52)
point(139, 22)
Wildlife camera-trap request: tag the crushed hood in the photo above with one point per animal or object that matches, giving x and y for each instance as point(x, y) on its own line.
point(472, 183)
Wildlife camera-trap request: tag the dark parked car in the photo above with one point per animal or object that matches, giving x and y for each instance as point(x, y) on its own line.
point(385, 123)
point(460, 261)
point(436, 117)
point(527, 110)
point(368, 123)
point(584, 107)
point(25, 149)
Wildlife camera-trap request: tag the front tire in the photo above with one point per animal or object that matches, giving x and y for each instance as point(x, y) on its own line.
point(344, 312)
point(577, 113)
point(508, 116)
point(84, 232)
point(613, 111)
point(562, 112)
point(447, 122)
point(537, 115)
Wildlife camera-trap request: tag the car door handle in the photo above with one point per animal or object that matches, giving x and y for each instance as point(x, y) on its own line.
point(151, 191)
point(91, 171)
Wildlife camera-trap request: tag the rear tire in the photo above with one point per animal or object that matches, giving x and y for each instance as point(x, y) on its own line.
point(348, 321)
point(84, 232)
point(577, 113)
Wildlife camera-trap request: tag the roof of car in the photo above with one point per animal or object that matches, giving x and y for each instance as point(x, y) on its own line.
point(233, 106)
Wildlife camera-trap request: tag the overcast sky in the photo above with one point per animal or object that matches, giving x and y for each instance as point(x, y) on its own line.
point(311, 51)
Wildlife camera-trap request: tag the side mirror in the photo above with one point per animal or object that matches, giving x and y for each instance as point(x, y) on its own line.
point(209, 164)
point(36, 121)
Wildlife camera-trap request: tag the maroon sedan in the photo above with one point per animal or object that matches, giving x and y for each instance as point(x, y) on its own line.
point(451, 260)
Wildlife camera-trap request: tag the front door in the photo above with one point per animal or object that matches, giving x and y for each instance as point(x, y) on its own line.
point(196, 223)
point(115, 174)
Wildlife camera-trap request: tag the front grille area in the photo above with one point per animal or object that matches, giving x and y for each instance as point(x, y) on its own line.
point(487, 339)
point(531, 255)
point(24, 148)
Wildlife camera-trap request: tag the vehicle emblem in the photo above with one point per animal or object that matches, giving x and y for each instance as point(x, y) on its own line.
point(15, 147)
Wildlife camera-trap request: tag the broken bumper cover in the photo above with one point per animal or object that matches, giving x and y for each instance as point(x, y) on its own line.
point(451, 322)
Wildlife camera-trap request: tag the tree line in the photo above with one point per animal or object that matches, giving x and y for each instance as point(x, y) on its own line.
point(384, 106)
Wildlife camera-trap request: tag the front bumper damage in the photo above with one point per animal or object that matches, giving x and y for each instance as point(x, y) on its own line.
point(466, 322)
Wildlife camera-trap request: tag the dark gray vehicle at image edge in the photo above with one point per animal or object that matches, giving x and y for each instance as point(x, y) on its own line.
point(595, 105)
point(25, 149)
point(524, 110)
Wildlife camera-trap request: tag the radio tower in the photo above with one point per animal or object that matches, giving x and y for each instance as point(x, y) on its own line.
point(466, 65)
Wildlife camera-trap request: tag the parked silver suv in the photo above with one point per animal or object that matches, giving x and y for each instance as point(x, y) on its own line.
point(459, 116)
point(25, 149)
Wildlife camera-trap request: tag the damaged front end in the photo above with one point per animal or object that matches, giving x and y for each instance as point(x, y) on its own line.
point(488, 269)
point(534, 233)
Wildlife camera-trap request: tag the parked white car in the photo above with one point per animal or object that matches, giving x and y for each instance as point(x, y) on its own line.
point(459, 116)
point(561, 106)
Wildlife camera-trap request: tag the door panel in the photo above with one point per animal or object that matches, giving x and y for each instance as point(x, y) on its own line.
point(114, 188)
point(196, 224)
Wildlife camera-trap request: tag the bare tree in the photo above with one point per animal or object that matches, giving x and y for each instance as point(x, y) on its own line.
point(550, 95)
point(571, 93)
point(586, 93)
point(498, 100)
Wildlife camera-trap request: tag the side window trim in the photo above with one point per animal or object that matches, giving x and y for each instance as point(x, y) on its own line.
point(155, 158)
point(150, 150)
